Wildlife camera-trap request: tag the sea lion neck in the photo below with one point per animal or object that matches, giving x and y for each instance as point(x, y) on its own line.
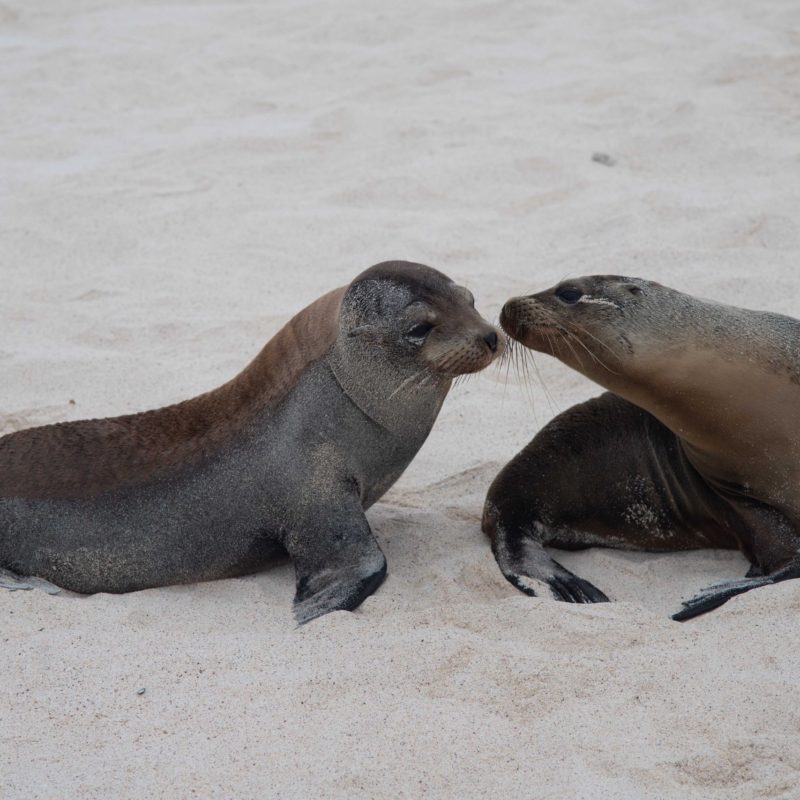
point(397, 399)
point(734, 414)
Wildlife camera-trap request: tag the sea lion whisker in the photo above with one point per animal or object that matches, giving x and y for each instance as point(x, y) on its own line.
point(527, 378)
point(593, 355)
point(402, 385)
point(592, 336)
point(547, 395)
point(444, 365)
point(518, 363)
point(506, 354)
point(508, 359)
point(573, 338)
point(551, 345)
point(515, 359)
point(524, 372)
point(449, 361)
point(566, 337)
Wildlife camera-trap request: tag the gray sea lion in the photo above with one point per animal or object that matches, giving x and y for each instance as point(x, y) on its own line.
point(283, 458)
point(696, 445)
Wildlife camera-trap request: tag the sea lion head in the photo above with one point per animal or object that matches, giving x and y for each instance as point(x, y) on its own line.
point(416, 318)
point(405, 331)
point(600, 325)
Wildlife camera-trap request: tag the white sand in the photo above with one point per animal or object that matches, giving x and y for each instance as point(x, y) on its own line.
point(177, 180)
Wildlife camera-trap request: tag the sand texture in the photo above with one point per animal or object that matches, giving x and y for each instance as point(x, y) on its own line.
point(176, 180)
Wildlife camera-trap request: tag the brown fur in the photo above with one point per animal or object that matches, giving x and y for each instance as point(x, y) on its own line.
point(88, 457)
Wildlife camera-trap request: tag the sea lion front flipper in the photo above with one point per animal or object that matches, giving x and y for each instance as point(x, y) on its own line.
point(340, 588)
point(13, 583)
point(342, 567)
point(526, 565)
point(714, 596)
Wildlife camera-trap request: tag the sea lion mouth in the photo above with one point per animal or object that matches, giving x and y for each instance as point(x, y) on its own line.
point(522, 316)
point(470, 355)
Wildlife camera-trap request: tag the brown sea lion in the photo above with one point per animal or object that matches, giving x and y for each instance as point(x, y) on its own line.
point(697, 443)
point(285, 457)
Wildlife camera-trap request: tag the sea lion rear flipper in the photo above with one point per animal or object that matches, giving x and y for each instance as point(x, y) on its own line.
point(755, 571)
point(526, 565)
point(344, 566)
point(714, 596)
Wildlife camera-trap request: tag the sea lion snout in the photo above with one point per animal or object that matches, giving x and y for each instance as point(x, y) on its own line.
point(509, 320)
point(465, 346)
point(462, 341)
point(520, 315)
point(495, 341)
point(489, 338)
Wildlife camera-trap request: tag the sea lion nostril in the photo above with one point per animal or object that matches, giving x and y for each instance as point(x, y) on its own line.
point(491, 340)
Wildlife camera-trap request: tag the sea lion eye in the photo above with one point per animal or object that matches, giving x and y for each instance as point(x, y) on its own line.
point(420, 330)
point(569, 295)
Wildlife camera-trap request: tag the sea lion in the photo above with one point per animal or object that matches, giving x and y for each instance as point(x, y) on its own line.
point(697, 443)
point(285, 457)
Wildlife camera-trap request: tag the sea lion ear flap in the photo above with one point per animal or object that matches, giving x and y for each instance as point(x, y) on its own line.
point(633, 288)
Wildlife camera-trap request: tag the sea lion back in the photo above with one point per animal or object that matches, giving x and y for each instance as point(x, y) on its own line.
point(87, 457)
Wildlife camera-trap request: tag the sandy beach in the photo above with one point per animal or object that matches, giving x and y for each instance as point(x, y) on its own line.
point(177, 180)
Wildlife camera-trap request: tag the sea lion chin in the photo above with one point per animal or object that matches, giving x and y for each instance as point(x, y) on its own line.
point(284, 458)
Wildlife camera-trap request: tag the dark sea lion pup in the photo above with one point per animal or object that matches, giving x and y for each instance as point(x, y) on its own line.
point(285, 457)
point(698, 445)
